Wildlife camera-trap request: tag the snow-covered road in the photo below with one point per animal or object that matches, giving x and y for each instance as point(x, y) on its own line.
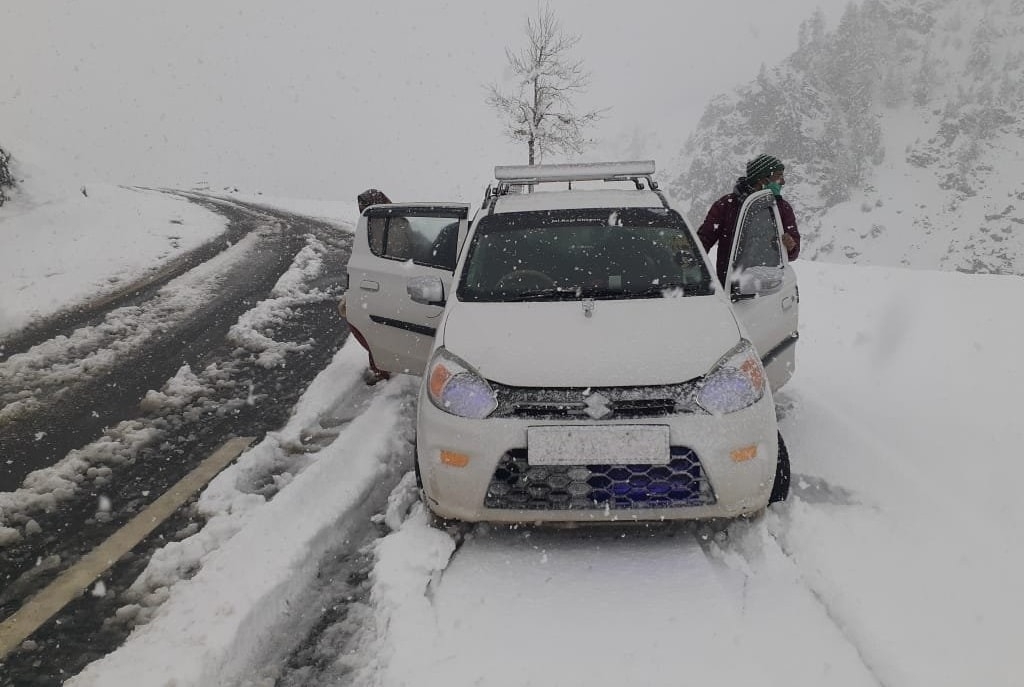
point(896, 561)
point(115, 406)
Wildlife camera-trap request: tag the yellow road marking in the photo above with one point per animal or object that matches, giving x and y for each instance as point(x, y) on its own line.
point(69, 584)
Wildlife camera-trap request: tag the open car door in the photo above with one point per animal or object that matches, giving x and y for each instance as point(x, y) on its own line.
point(394, 243)
point(763, 288)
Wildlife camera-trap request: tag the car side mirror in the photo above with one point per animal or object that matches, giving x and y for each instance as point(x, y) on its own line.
point(426, 290)
point(760, 280)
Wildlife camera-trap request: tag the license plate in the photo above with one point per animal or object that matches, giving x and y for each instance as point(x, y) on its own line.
point(612, 445)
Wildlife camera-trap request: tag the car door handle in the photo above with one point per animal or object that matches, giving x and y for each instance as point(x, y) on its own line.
point(368, 285)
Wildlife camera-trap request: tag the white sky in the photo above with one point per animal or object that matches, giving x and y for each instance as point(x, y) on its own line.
point(328, 98)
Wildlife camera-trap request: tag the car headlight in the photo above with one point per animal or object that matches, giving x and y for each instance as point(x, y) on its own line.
point(734, 383)
point(456, 388)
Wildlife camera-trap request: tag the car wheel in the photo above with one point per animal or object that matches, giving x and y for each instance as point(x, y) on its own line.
point(436, 521)
point(456, 529)
point(780, 489)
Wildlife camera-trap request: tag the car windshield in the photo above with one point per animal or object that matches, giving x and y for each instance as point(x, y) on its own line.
point(608, 253)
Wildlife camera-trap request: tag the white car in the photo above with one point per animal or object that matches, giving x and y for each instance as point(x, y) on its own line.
point(580, 361)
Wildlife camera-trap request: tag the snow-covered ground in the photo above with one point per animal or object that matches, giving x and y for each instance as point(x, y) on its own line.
point(64, 243)
point(895, 562)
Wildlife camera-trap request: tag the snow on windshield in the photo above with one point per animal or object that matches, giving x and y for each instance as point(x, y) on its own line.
point(589, 253)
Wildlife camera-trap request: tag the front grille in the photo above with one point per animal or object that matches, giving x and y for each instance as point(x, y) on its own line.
point(517, 485)
point(598, 403)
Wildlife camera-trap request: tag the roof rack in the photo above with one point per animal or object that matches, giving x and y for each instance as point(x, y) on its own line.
point(509, 176)
point(587, 171)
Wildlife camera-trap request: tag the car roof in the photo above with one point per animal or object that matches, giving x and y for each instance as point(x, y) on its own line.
point(576, 199)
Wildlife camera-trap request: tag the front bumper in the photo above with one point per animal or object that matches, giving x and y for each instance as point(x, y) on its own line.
point(725, 488)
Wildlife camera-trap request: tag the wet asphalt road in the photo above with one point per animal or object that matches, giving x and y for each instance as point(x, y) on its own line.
point(182, 438)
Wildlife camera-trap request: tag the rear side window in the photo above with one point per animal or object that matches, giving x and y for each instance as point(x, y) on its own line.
point(428, 241)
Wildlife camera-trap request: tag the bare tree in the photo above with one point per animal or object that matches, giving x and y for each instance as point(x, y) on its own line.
point(541, 111)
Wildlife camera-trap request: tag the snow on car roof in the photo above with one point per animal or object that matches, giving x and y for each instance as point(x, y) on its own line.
point(570, 200)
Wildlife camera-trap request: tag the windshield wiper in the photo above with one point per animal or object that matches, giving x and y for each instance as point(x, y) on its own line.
point(648, 292)
point(655, 290)
point(555, 293)
point(564, 293)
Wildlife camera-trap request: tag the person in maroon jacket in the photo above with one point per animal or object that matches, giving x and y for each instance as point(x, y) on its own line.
point(764, 171)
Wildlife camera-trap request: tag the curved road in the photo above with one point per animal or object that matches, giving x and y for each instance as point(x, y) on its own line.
point(73, 389)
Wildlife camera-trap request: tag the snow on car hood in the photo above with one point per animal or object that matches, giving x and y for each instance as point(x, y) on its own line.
point(622, 343)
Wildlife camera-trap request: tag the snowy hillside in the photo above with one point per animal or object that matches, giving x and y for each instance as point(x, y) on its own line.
point(902, 133)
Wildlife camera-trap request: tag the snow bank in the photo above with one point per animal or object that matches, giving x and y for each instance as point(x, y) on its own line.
point(228, 617)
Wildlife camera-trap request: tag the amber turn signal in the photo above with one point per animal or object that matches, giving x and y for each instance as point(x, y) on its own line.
point(456, 460)
point(744, 454)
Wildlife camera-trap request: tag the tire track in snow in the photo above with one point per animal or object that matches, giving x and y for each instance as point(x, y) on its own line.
point(88, 369)
point(50, 370)
point(885, 565)
point(811, 492)
point(834, 615)
point(649, 598)
point(756, 551)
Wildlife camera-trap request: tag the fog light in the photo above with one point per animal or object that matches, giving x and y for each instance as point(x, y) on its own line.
point(456, 460)
point(746, 453)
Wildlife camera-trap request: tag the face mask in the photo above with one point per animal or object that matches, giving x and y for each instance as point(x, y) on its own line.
point(776, 188)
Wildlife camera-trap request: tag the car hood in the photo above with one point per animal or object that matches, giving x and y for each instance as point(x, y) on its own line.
point(622, 342)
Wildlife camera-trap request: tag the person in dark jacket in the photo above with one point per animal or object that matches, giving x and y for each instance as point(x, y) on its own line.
point(764, 171)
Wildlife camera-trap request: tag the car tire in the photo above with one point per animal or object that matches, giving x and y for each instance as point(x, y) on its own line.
point(435, 520)
point(780, 489)
point(456, 529)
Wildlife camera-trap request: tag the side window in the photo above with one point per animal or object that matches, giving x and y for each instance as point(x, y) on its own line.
point(758, 240)
point(446, 246)
point(375, 233)
point(429, 241)
point(435, 240)
point(398, 239)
